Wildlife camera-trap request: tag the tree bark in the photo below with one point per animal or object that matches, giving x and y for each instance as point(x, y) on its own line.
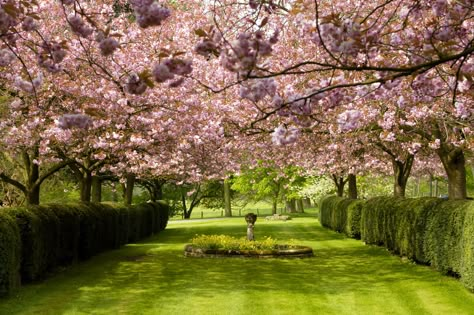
point(129, 189)
point(455, 166)
point(352, 182)
point(340, 183)
point(157, 189)
point(86, 186)
point(290, 205)
point(227, 203)
point(33, 195)
point(307, 202)
point(96, 189)
point(299, 205)
point(401, 173)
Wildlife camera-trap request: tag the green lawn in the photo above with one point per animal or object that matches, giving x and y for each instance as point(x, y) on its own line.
point(153, 277)
point(261, 208)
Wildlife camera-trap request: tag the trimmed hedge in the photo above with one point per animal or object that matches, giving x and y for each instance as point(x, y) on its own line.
point(10, 247)
point(427, 230)
point(35, 240)
point(341, 214)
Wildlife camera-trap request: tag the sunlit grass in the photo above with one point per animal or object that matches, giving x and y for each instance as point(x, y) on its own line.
point(260, 208)
point(154, 277)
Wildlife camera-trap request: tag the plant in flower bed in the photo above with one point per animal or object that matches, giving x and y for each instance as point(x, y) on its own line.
point(225, 242)
point(223, 246)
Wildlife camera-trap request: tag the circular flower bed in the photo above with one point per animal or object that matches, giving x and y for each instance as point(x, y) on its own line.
point(226, 246)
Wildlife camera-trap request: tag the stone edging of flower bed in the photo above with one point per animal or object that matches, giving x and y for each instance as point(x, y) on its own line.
point(284, 251)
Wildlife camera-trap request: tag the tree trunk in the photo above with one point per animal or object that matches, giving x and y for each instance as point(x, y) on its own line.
point(157, 189)
point(274, 206)
point(33, 195)
point(352, 191)
point(401, 173)
point(455, 166)
point(299, 205)
point(290, 205)
point(340, 183)
point(96, 189)
point(436, 188)
point(86, 186)
point(32, 188)
point(227, 204)
point(307, 202)
point(129, 189)
point(186, 213)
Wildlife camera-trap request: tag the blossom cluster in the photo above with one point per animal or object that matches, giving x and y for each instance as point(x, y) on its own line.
point(78, 26)
point(70, 121)
point(256, 90)
point(51, 55)
point(6, 57)
point(149, 13)
point(242, 54)
point(283, 135)
point(349, 120)
point(170, 67)
point(29, 86)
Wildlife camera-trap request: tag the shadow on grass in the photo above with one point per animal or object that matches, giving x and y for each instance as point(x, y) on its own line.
point(144, 277)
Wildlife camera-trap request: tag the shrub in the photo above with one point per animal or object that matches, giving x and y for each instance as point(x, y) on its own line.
point(47, 245)
point(69, 217)
point(226, 242)
point(427, 230)
point(354, 210)
point(341, 214)
point(33, 252)
point(61, 234)
point(467, 246)
point(443, 244)
point(10, 248)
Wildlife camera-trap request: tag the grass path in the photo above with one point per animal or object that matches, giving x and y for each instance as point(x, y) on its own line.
point(153, 277)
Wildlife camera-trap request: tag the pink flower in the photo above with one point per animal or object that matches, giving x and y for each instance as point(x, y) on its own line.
point(6, 57)
point(108, 45)
point(162, 73)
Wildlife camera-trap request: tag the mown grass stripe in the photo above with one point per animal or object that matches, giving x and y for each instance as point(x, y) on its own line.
point(153, 277)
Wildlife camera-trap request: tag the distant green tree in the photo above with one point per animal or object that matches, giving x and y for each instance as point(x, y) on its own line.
point(268, 182)
point(184, 198)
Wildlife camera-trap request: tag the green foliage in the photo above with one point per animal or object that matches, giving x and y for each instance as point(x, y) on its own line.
point(354, 212)
point(61, 234)
point(370, 186)
point(344, 277)
point(268, 183)
point(226, 242)
point(10, 246)
point(316, 187)
point(427, 230)
point(341, 214)
point(448, 237)
point(210, 194)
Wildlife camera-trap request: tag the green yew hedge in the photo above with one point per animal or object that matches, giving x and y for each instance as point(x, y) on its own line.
point(36, 240)
point(430, 231)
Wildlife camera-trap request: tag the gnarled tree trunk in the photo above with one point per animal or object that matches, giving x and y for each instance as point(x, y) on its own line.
point(130, 184)
point(455, 166)
point(339, 182)
point(352, 189)
point(96, 189)
point(401, 173)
